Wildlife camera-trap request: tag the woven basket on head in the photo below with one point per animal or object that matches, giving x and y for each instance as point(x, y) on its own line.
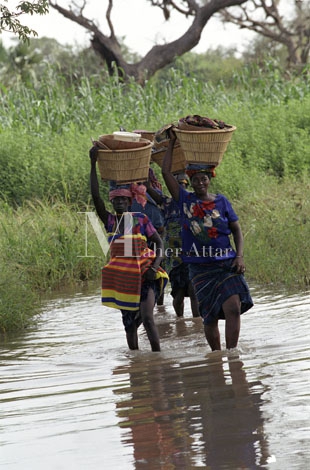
point(126, 165)
point(112, 143)
point(206, 146)
point(146, 134)
point(178, 158)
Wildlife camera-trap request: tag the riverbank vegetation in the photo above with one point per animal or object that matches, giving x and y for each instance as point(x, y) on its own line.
point(46, 130)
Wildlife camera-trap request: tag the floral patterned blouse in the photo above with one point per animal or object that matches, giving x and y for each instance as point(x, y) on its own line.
point(205, 228)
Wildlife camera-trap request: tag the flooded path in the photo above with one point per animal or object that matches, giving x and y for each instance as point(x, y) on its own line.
point(73, 396)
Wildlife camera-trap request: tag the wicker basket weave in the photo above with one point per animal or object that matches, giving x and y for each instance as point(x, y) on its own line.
point(125, 166)
point(178, 159)
point(112, 143)
point(206, 146)
point(146, 134)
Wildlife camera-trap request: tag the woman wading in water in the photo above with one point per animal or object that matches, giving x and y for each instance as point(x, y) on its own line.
point(216, 269)
point(132, 280)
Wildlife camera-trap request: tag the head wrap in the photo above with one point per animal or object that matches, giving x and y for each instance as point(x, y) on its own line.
point(139, 193)
point(154, 181)
point(193, 168)
point(132, 191)
point(182, 178)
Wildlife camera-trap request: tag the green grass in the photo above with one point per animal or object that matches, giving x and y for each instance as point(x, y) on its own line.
point(43, 247)
point(276, 224)
point(46, 131)
point(19, 303)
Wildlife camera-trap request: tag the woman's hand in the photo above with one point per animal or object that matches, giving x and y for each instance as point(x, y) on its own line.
point(171, 134)
point(150, 274)
point(238, 263)
point(93, 154)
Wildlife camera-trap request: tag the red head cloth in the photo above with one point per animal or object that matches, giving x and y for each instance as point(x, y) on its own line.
point(120, 192)
point(134, 191)
point(139, 193)
point(192, 169)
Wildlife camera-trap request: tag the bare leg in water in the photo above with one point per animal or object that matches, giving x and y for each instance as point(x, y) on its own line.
point(213, 335)
point(161, 298)
point(231, 308)
point(131, 328)
point(146, 309)
point(132, 336)
point(178, 302)
point(193, 300)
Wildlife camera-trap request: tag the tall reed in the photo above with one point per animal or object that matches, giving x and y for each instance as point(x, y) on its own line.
point(47, 243)
point(46, 132)
point(276, 222)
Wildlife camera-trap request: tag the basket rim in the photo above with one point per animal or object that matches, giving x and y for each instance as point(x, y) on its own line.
point(138, 149)
point(206, 131)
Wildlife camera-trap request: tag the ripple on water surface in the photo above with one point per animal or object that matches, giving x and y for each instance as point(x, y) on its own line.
point(72, 394)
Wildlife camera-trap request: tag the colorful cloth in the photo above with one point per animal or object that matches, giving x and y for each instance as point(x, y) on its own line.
point(182, 178)
point(156, 184)
point(130, 257)
point(205, 228)
point(214, 283)
point(194, 168)
point(173, 232)
point(151, 210)
point(132, 191)
point(131, 317)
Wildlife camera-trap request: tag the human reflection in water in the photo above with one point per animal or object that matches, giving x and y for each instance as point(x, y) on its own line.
point(225, 414)
point(201, 414)
point(154, 412)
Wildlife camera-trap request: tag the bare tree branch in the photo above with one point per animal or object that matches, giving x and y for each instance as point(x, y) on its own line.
point(265, 19)
point(108, 47)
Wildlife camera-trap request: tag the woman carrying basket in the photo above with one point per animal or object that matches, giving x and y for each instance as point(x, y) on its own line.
point(133, 278)
point(181, 286)
point(215, 268)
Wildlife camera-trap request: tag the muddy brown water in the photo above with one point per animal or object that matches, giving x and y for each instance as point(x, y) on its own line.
point(73, 396)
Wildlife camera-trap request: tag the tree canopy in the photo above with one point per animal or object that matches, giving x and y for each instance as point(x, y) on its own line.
point(9, 18)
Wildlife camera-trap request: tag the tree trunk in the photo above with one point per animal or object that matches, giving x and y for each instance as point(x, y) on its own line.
point(159, 56)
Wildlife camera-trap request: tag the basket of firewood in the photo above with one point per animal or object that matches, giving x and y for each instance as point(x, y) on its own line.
point(203, 140)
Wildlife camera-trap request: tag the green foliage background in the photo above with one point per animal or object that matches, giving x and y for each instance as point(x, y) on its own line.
point(46, 130)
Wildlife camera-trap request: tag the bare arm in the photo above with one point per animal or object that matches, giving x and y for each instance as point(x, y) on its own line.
point(94, 187)
point(171, 182)
point(238, 241)
point(151, 272)
point(154, 194)
point(159, 252)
